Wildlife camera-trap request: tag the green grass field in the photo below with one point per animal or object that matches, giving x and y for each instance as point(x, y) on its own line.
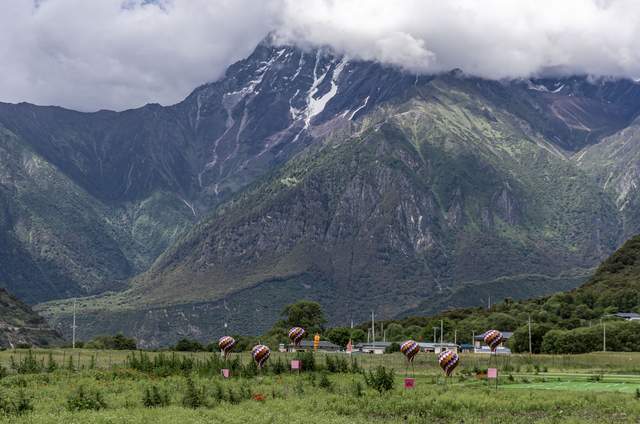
point(537, 389)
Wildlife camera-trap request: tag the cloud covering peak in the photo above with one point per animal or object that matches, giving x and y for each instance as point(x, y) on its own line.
point(119, 54)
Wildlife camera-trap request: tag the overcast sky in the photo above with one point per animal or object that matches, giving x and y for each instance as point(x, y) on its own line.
point(118, 54)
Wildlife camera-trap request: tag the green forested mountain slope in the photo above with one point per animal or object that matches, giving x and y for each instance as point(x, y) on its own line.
point(420, 206)
point(568, 322)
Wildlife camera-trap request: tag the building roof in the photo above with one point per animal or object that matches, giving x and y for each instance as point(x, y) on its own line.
point(373, 345)
point(434, 345)
point(627, 315)
point(322, 344)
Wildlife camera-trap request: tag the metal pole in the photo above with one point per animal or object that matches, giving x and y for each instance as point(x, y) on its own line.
point(73, 326)
point(435, 340)
point(530, 350)
point(604, 335)
point(441, 333)
point(373, 330)
point(455, 337)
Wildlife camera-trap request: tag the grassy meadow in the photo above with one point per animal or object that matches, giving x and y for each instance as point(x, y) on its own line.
point(46, 386)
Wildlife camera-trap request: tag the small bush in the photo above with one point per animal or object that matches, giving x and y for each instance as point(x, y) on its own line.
point(381, 380)
point(245, 391)
point(22, 404)
point(19, 406)
point(325, 383)
point(193, 396)
point(278, 367)
point(154, 397)
point(187, 345)
point(233, 397)
point(356, 389)
point(308, 361)
point(85, 399)
point(51, 363)
point(218, 392)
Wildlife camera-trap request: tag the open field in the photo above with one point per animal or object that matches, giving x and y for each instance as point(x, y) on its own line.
point(537, 389)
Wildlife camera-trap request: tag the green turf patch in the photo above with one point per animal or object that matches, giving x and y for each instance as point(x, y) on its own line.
point(577, 386)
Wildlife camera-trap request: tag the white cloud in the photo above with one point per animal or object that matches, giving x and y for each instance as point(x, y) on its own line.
point(92, 54)
point(117, 54)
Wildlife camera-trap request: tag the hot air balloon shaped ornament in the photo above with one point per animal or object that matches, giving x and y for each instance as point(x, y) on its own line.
point(226, 344)
point(410, 349)
point(295, 335)
point(448, 361)
point(493, 338)
point(260, 354)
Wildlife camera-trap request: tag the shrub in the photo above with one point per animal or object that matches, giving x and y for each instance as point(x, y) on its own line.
point(22, 404)
point(245, 391)
point(19, 406)
point(117, 342)
point(154, 397)
point(85, 399)
point(357, 389)
point(51, 363)
point(307, 359)
point(193, 396)
point(336, 364)
point(187, 345)
point(278, 367)
point(325, 383)
point(27, 365)
point(381, 380)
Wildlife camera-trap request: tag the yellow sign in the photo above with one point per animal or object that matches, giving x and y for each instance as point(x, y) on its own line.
point(316, 342)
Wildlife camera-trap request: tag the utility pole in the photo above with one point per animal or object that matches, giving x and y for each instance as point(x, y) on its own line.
point(373, 329)
point(384, 338)
point(473, 339)
point(530, 350)
point(441, 333)
point(489, 302)
point(604, 335)
point(455, 337)
point(435, 338)
point(73, 326)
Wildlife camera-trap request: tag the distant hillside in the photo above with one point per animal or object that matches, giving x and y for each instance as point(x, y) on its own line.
point(19, 324)
point(568, 322)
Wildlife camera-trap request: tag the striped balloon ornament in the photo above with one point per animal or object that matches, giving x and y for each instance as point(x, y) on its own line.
point(410, 349)
point(296, 334)
point(493, 338)
point(448, 361)
point(225, 344)
point(260, 354)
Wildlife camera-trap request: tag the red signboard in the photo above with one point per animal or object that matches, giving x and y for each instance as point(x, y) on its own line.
point(295, 364)
point(225, 373)
point(409, 383)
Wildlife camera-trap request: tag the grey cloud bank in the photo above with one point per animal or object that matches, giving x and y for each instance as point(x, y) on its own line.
point(115, 54)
